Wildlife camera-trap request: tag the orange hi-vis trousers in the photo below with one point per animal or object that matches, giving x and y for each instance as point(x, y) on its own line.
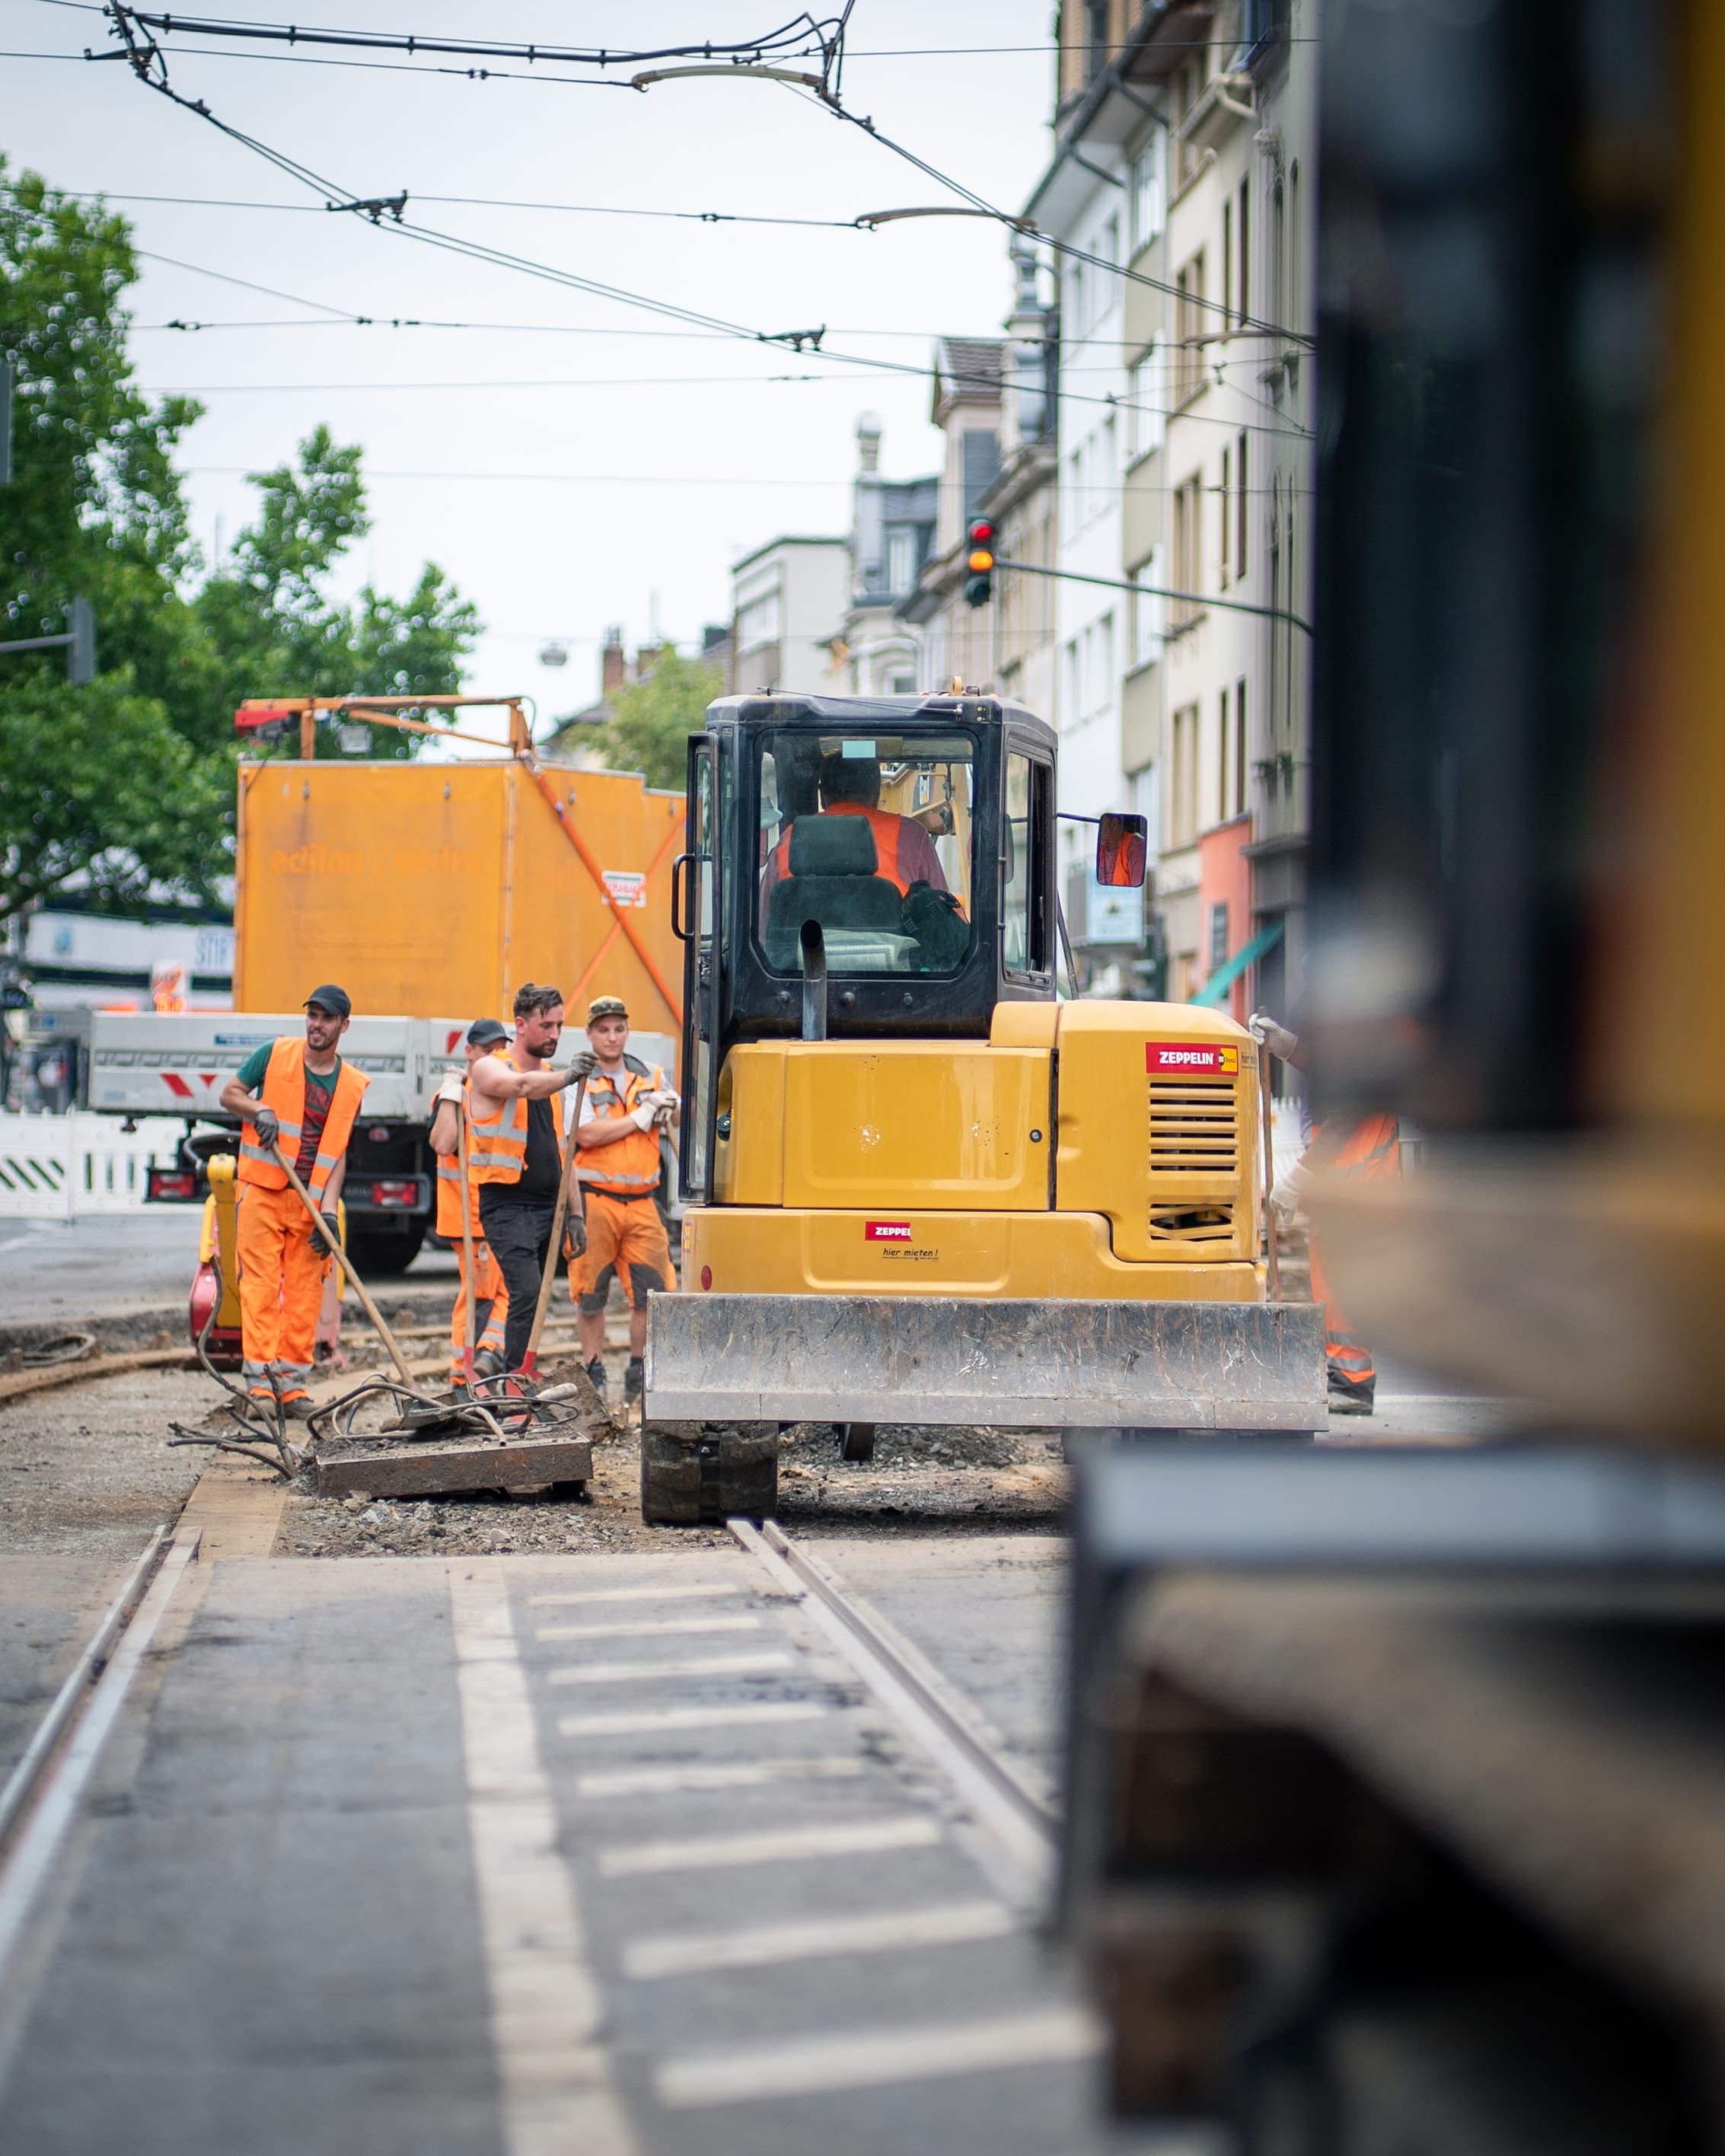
point(490, 1287)
point(281, 1277)
point(1371, 1148)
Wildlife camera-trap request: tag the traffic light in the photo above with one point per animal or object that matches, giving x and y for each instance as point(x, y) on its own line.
point(979, 582)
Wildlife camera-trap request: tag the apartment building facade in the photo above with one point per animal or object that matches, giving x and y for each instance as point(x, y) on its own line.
point(1181, 186)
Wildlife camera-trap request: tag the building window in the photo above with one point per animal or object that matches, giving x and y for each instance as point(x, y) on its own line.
point(1182, 782)
point(1240, 746)
point(1189, 329)
point(900, 561)
point(1240, 510)
point(757, 621)
point(1188, 520)
point(1224, 757)
point(1146, 411)
point(1227, 265)
point(1150, 190)
point(1149, 611)
point(1219, 934)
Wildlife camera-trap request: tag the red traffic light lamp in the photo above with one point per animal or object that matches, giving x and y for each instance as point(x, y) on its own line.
point(979, 581)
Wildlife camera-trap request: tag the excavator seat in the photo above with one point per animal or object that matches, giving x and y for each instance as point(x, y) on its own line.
point(832, 881)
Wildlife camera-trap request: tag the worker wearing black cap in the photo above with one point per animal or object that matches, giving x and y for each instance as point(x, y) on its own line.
point(298, 1095)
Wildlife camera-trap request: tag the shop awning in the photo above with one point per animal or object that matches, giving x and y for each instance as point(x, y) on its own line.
point(1226, 975)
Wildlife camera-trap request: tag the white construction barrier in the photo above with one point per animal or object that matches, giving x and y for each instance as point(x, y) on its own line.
point(64, 1168)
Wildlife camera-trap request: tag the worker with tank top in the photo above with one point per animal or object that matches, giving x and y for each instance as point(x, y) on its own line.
point(488, 1288)
point(516, 1153)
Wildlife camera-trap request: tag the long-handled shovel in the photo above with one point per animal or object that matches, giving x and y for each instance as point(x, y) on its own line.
point(554, 1255)
point(467, 1352)
point(340, 1257)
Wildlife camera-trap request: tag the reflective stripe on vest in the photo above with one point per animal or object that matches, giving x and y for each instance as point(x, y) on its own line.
point(630, 1164)
point(284, 1091)
point(449, 1174)
point(497, 1144)
point(885, 827)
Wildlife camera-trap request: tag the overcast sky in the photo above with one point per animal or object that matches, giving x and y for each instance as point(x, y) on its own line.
point(570, 460)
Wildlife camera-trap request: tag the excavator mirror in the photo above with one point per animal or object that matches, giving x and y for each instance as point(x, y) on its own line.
point(1120, 842)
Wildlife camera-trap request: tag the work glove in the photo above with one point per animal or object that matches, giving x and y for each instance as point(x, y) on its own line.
point(574, 1237)
point(581, 1064)
point(642, 1118)
point(1276, 1038)
point(451, 1090)
point(268, 1129)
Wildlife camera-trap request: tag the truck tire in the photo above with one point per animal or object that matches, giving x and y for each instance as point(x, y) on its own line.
point(380, 1254)
point(702, 1474)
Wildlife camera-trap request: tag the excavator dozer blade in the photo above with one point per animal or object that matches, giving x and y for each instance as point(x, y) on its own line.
point(1020, 1364)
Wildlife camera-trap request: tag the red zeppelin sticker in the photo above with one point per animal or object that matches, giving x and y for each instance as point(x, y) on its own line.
point(887, 1231)
point(1165, 1057)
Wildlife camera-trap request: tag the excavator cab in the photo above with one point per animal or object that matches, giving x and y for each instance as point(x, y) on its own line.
point(859, 867)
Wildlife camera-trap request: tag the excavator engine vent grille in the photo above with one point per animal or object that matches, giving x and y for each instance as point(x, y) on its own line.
point(1194, 1130)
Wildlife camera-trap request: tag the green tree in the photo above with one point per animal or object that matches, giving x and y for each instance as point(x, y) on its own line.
point(270, 616)
point(98, 783)
point(652, 720)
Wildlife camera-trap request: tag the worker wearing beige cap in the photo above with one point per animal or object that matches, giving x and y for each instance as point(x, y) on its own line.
point(625, 1109)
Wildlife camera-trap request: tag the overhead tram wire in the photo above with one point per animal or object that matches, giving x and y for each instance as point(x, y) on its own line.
point(789, 40)
point(388, 215)
point(775, 44)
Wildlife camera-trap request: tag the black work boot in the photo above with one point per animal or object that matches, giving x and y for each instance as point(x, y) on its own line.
point(635, 1379)
point(595, 1371)
point(1351, 1398)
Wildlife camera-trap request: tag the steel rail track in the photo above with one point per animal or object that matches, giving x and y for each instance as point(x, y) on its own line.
point(43, 1795)
point(1015, 1829)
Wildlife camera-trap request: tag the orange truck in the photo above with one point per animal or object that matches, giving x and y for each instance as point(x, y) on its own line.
point(431, 891)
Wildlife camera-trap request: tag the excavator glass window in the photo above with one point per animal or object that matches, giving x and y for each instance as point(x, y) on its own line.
point(871, 836)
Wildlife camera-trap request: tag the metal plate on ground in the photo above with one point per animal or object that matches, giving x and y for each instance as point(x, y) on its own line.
point(1019, 1364)
point(431, 1471)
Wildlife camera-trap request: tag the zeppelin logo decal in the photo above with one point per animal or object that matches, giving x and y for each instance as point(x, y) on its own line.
point(887, 1231)
point(1168, 1055)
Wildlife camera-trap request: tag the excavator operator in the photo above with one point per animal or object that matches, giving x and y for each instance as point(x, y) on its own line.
point(904, 851)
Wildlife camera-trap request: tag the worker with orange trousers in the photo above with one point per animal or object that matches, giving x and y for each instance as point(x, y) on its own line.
point(489, 1289)
point(622, 1114)
point(301, 1095)
point(1369, 1147)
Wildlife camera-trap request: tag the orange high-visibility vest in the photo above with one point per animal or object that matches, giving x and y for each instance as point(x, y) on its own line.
point(497, 1141)
point(283, 1089)
point(882, 823)
point(449, 1176)
point(627, 1167)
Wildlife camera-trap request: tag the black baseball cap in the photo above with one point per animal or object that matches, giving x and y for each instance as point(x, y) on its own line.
point(336, 1001)
point(483, 1031)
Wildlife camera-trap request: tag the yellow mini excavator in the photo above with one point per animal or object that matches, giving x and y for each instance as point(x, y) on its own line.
point(920, 1190)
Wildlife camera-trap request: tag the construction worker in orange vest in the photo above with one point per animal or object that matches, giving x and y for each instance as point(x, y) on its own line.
point(301, 1095)
point(516, 1154)
point(1370, 1146)
point(625, 1109)
point(904, 851)
point(490, 1291)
